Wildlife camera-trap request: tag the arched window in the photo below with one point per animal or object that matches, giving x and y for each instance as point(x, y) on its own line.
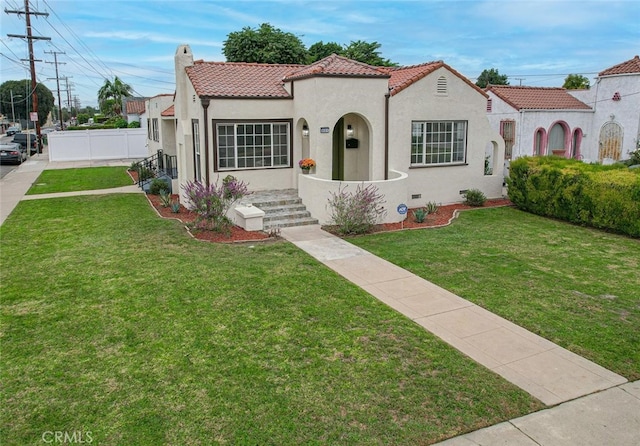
point(539, 142)
point(556, 142)
point(575, 144)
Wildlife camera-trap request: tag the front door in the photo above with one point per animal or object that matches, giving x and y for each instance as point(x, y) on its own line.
point(610, 142)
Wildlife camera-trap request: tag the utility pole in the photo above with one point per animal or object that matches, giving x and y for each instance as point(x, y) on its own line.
point(520, 79)
point(55, 58)
point(30, 38)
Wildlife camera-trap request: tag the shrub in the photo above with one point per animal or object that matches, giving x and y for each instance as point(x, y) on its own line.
point(158, 186)
point(165, 198)
point(144, 173)
point(420, 214)
point(606, 197)
point(211, 202)
point(474, 197)
point(431, 207)
point(134, 125)
point(175, 206)
point(358, 212)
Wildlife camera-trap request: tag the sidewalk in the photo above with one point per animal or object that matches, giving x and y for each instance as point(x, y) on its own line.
point(547, 371)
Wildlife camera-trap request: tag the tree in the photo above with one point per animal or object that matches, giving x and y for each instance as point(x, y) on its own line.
point(367, 52)
point(491, 77)
point(22, 100)
point(576, 82)
point(111, 94)
point(320, 50)
point(264, 45)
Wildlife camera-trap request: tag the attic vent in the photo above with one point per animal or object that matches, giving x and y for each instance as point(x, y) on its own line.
point(441, 86)
point(616, 96)
point(489, 105)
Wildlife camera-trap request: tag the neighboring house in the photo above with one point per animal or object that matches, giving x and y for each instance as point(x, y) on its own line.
point(134, 110)
point(615, 99)
point(417, 133)
point(160, 124)
point(597, 124)
point(538, 120)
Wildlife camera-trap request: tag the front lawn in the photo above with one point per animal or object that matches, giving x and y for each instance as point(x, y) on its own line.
point(71, 180)
point(115, 322)
point(575, 286)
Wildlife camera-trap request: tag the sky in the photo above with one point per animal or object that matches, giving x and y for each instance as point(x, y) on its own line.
point(534, 42)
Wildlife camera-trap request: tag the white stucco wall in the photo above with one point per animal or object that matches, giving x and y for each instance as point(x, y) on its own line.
point(421, 102)
point(166, 126)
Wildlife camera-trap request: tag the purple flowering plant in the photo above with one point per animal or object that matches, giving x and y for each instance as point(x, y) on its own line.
point(357, 212)
point(211, 202)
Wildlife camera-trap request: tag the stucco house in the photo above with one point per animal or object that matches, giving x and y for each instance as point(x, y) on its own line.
point(418, 133)
point(598, 124)
point(160, 124)
point(134, 110)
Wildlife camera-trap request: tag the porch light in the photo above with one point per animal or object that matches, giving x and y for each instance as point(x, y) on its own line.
point(349, 131)
point(305, 131)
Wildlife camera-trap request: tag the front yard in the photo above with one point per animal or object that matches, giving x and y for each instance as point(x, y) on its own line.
point(575, 286)
point(116, 322)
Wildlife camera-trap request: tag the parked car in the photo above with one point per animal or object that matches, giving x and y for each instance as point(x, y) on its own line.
point(12, 153)
point(13, 130)
point(21, 138)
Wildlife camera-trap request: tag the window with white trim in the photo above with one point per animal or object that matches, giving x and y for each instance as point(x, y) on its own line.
point(154, 124)
point(197, 162)
point(253, 145)
point(438, 142)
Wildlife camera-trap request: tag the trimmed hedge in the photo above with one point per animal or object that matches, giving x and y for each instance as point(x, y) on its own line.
point(606, 197)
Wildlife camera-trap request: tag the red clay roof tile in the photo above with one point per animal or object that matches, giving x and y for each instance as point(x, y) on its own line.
point(538, 98)
point(135, 107)
point(169, 111)
point(335, 65)
point(239, 79)
point(628, 67)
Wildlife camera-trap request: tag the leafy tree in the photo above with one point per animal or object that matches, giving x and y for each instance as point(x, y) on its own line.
point(366, 52)
point(320, 50)
point(491, 77)
point(576, 82)
point(264, 45)
point(83, 118)
point(23, 103)
point(111, 94)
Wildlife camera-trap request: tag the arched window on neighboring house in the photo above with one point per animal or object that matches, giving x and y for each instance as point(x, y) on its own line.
point(576, 140)
point(539, 142)
point(557, 139)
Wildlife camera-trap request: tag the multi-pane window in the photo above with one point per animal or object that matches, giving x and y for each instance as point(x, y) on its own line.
point(154, 124)
point(438, 142)
point(197, 162)
point(508, 133)
point(253, 145)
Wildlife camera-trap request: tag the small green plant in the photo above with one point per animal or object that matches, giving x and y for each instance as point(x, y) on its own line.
point(133, 166)
point(157, 186)
point(431, 207)
point(474, 197)
point(175, 206)
point(420, 214)
point(487, 166)
point(165, 198)
point(134, 125)
point(144, 173)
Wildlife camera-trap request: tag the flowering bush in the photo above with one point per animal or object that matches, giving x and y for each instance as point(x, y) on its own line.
point(356, 213)
point(211, 202)
point(306, 163)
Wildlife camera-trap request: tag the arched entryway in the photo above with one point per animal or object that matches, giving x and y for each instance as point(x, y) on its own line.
point(610, 141)
point(351, 149)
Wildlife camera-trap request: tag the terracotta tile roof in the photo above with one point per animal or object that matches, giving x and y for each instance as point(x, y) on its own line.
point(239, 79)
point(538, 98)
point(402, 77)
point(135, 107)
point(169, 112)
point(335, 65)
point(628, 67)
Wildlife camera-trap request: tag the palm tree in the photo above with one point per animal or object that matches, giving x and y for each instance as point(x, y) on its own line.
point(116, 91)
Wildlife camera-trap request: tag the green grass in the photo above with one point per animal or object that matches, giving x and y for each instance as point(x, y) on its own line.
point(71, 180)
point(114, 321)
point(575, 286)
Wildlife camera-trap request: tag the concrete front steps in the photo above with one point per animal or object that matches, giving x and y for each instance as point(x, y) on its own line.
point(282, 208)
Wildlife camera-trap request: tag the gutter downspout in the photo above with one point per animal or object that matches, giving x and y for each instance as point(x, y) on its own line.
point(205, 106)
point(386, 135)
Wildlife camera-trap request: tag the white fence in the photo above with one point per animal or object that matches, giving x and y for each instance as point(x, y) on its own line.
point(88, 145)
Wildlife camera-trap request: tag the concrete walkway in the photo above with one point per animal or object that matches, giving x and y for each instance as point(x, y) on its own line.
point(545, 370)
